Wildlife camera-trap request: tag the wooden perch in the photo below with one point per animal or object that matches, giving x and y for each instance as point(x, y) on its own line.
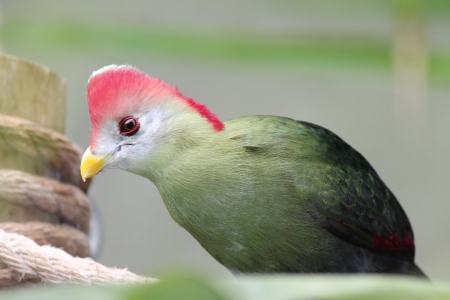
point(32, 92)
point(42, 195)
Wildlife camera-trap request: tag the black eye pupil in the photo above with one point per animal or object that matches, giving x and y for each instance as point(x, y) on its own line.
point(128, 126)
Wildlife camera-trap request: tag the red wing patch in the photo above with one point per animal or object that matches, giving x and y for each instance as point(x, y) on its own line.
point(394, 242)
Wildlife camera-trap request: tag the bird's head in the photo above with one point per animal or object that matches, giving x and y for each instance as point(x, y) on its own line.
point(132, 116)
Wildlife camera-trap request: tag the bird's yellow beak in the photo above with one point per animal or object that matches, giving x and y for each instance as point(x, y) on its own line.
point(91, 164)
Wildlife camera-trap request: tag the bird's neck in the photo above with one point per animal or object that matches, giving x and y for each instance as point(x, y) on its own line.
point(185, 129)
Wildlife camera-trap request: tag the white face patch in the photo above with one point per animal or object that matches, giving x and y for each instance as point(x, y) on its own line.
point(130, 151)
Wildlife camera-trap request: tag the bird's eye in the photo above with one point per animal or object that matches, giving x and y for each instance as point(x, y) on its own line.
point(128, 126)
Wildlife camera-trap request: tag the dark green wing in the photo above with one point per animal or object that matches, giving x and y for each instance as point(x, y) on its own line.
point(356, 205)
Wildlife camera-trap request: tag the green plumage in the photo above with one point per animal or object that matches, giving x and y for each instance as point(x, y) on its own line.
point(260, 195)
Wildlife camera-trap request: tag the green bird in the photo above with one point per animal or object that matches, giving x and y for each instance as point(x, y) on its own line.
point(262, 194)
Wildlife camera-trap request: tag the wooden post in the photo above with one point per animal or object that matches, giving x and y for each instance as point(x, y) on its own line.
point(39, 176)
point(42, 196)
point(32, 92)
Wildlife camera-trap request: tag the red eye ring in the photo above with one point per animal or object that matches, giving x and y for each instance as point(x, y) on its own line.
point(128, 126)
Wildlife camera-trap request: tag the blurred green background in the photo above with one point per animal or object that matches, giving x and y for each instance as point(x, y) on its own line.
point(377, 73)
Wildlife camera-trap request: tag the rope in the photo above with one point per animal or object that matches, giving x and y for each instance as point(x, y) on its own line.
point(29, 262)
point(43, 150)
point(53, 199)
point(62, 236)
